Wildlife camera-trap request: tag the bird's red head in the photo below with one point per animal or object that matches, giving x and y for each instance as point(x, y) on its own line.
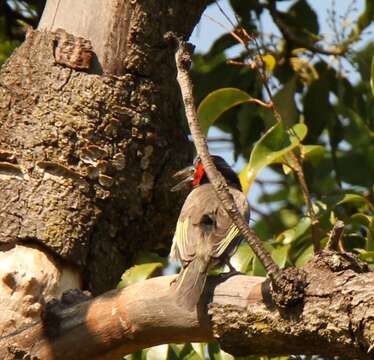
point(199, 173)
point(195, 175)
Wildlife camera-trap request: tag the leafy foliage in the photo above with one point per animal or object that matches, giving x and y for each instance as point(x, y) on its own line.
point(336, 107)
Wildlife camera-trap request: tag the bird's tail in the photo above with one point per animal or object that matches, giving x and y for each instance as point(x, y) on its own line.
point(190, 284)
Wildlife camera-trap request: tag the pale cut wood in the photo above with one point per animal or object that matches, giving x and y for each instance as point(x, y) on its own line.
point(95, 25)
point(29, 278)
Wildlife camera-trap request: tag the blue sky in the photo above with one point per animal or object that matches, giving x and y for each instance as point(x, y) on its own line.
point(207, 31)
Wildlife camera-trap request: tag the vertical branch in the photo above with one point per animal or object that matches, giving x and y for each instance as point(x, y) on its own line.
point(183, 61)
point(263, 77)
point(335, 235)
point(298, 169)
point(243, 37)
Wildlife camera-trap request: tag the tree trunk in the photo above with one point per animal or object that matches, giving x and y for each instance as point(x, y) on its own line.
point(87, 146)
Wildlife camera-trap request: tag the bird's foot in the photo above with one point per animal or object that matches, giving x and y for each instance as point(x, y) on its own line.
point(232, 271)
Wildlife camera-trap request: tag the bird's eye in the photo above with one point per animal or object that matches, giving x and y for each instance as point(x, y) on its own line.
point(207, 220)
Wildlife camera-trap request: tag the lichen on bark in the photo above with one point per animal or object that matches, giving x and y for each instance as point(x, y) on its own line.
point(334, 319)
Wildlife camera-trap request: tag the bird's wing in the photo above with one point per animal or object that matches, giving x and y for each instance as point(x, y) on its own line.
point(221, 243)
point(189, 234)
point(179, 247)
point(226, 231)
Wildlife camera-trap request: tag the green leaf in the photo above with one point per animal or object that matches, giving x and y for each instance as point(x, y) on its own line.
point(356, 199)
point(368, 222)
point(270, 149)
point(361, 166)
point(270, 62)
point(367, 256)
point(281, 194)
point(303, 16)
point(217, 102)
point(183, 352)
point(284, 101)
point(305, 256)
point(362, 219)
point(280, 255)
point(149, 257)
point(289, 217)
point(313, 153)
point(258, 269)
point(139, 355)
point(139, 273)
point(290, 236)
point(367, 17)
point(205, 64)
point(223, 43)
point(241, 260)
point(215, 352)
point(318, 111)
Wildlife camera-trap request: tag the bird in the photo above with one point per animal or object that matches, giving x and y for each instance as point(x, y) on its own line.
point(205, 235)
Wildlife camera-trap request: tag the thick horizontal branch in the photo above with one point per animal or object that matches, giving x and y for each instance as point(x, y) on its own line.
point(336, 318)
point(123, 321)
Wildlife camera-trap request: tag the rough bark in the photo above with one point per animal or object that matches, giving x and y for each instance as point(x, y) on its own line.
point(336, 318)
point(85, 158)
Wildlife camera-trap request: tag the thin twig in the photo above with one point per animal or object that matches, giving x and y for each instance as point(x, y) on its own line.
point(224, 14)
point(290, 35)
point(268, 105)
point(335, 235)
point(232, 33)
point(297, 166)
point(244, 43)
point(264, 80)
point(296, 160)
point(298, 169)
point(183, 61)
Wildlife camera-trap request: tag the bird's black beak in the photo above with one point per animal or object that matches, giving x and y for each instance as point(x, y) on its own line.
point(186, 175)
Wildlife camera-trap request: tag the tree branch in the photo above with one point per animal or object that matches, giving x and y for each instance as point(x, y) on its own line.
point(183, 61)
point(287, 284)
point(297, 167)
point(335, 235)
point(335, 319)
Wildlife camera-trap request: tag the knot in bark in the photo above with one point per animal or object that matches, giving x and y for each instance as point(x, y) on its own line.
point(288, 287)
point(342, 261)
